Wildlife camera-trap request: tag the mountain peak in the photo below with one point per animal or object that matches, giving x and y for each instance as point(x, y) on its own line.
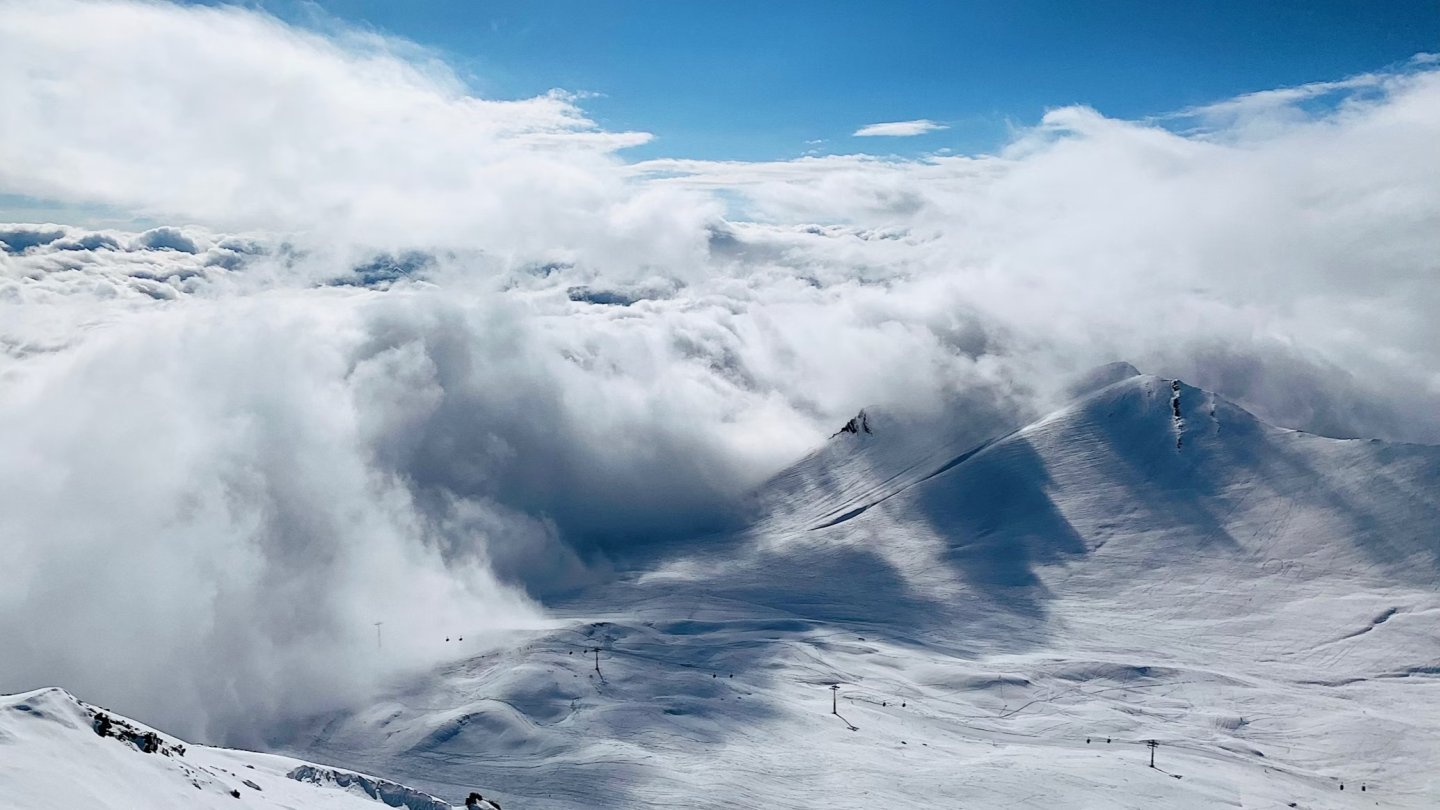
point(860, 423)
point(1100, 377)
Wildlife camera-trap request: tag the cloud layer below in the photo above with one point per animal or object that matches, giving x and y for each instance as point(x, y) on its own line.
point(429, 359)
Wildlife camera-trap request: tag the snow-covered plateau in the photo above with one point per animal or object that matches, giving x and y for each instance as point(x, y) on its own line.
point(921, 614)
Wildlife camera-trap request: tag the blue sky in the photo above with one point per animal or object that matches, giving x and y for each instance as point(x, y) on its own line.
point(765, 80)
point(758, 81)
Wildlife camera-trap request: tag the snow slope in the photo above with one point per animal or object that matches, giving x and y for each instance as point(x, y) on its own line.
point(1009, 612)
point(51, 756)
point(1010, 616)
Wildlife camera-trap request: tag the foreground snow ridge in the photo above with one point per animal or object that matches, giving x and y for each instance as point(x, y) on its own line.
point(58, 752)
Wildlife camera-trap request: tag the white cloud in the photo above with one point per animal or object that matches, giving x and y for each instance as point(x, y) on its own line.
point(138, 105)
point(899, 129)
point(228, 466)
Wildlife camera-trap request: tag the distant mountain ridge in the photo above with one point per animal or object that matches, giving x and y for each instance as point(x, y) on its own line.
point(1133, 434)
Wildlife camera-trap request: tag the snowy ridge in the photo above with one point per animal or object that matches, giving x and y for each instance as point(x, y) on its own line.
point(1010, 614)
point(870, 458)
point(56, 751)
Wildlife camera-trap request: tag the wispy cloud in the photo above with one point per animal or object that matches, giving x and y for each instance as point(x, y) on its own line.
point(360, 132)
point(1278, 107)
point(899, 129)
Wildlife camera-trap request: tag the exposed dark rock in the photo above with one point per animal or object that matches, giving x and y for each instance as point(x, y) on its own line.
point(145, 741)
point(859, 424)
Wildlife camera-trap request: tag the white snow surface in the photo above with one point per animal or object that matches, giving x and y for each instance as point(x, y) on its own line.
point(1010, 614)
point(52, 757)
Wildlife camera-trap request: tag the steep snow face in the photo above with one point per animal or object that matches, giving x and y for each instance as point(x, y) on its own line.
point(871, 457)
point(1010, 614)
point(58, 752)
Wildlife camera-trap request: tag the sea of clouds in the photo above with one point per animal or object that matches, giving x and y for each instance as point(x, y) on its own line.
point(406, 355)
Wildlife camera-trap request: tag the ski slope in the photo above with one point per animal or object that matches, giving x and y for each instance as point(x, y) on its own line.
point(51, 756)
point(1010, 613)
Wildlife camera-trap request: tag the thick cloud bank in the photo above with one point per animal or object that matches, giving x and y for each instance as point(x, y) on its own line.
point(430, 359)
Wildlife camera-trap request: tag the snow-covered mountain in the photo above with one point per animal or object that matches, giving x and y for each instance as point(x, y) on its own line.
point(56, 751)
point(1010, 613)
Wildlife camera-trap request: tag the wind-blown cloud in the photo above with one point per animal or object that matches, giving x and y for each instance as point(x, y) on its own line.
point(899, 129)
point(364, 137)
point(427, 358)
